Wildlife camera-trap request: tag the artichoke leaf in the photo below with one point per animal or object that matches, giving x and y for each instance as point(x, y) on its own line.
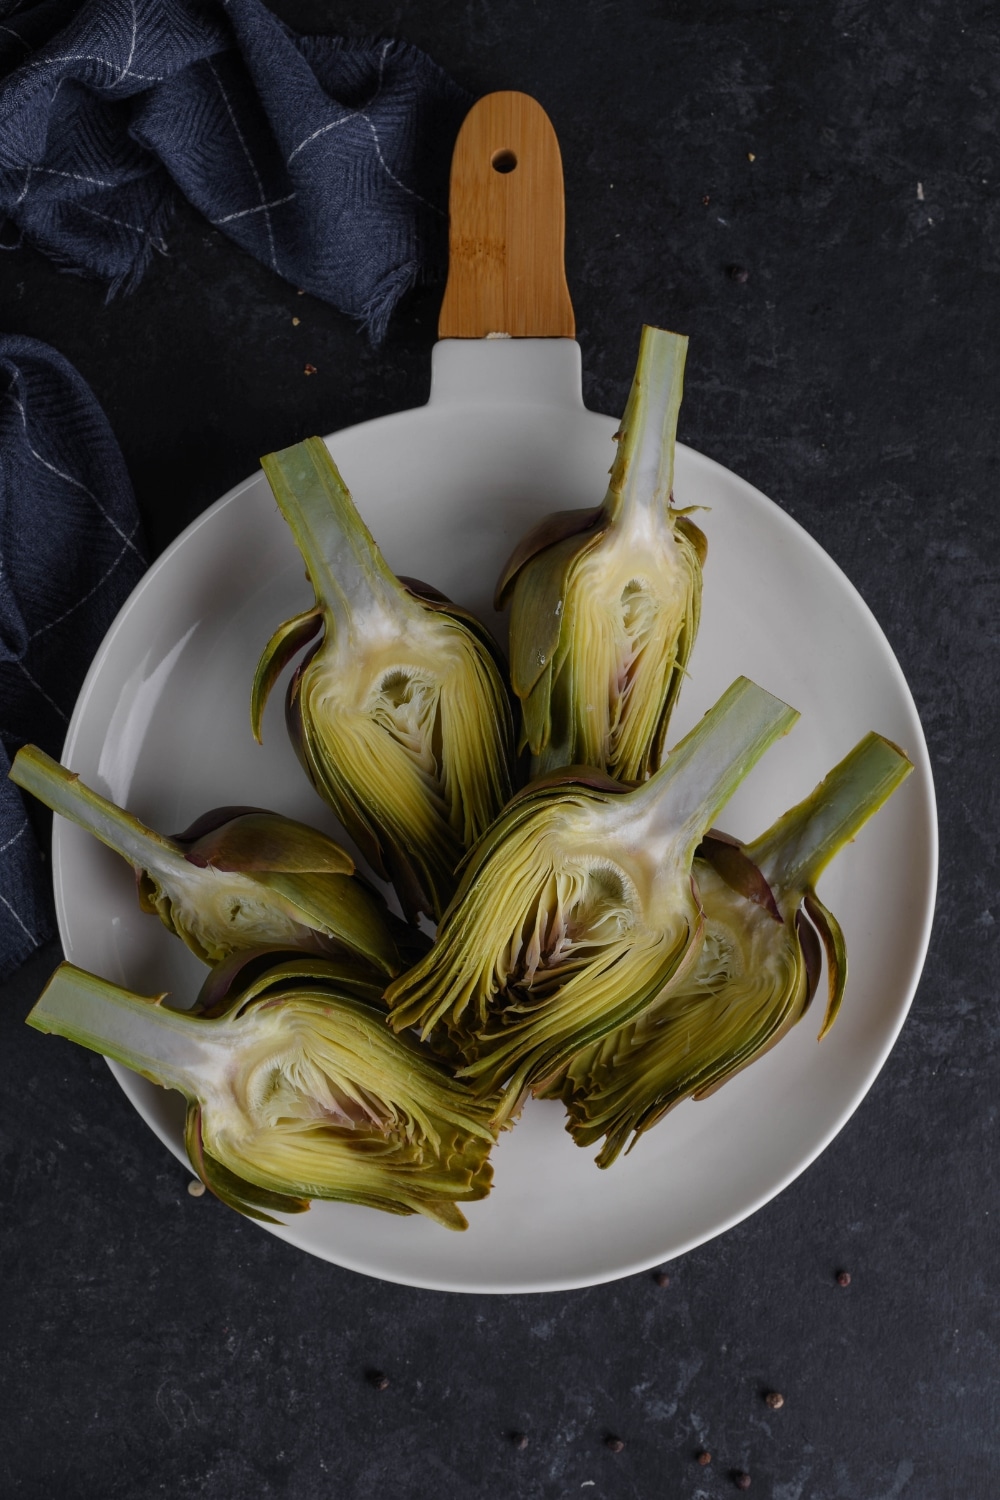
point(812, 953)
point(235, 1192)
point(543, 588)
point(348, 912)
point(737, 869)
point(265, 971)
point(264, 842)
point(536, 714)
point(284, 645)
point(694, 534)
point(558, 527)
point(836, 956)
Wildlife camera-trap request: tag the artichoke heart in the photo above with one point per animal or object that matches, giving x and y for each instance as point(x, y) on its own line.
point(239, 877)
point(398, 711)
point(605, 604)
point(296, 1090)
point(577, 907)
point(757, 971)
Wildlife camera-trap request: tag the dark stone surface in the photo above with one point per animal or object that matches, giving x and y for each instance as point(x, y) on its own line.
point(156, 1344)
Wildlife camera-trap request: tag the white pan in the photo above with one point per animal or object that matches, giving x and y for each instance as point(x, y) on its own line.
point(162, 726)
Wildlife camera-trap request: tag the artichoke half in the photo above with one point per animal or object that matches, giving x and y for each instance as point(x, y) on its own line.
point(757, 971)
point(605, 603)
point(399, 711)
point(237, 878)
point(577, 907)
point(296, 1090)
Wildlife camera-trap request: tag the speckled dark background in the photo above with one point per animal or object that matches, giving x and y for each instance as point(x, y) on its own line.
point(156, 1344)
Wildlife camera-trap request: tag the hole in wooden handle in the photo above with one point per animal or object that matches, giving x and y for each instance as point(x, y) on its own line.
point(503, 161)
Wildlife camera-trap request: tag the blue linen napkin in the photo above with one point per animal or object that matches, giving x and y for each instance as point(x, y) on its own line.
point(326, 159)
point(71, 550)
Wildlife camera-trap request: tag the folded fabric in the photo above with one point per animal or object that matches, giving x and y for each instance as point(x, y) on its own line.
point(326, 159)
point(71, 550)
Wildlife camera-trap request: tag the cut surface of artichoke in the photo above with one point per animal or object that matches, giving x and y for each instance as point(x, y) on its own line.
point(296, 1091)
point(399, 711)
point(757, 970)
point(238, 878)
point(605, 604)
point(577, 907)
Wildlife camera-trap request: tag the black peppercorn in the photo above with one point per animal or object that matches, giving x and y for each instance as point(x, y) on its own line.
point(614, 1443)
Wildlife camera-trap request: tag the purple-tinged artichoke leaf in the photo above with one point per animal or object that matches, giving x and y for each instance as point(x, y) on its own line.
point(344, 910)
point(557, 527)
point(210, 821)
point(812, 955)
point(723, 838)
point(832, 934)
point(284, 644)
point(731, 862)
point(262, 841)
point(297, 971)
point(426, 592)
point(222, 988)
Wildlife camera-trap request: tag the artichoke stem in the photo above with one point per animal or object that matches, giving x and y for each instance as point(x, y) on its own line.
point(65, 793)
point(141, 1034)
point(346, 568)
point(642, 476)
point(677, 804)
point(795, 850)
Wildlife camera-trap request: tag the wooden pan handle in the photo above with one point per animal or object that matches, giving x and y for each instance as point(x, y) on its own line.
point(507, 226)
